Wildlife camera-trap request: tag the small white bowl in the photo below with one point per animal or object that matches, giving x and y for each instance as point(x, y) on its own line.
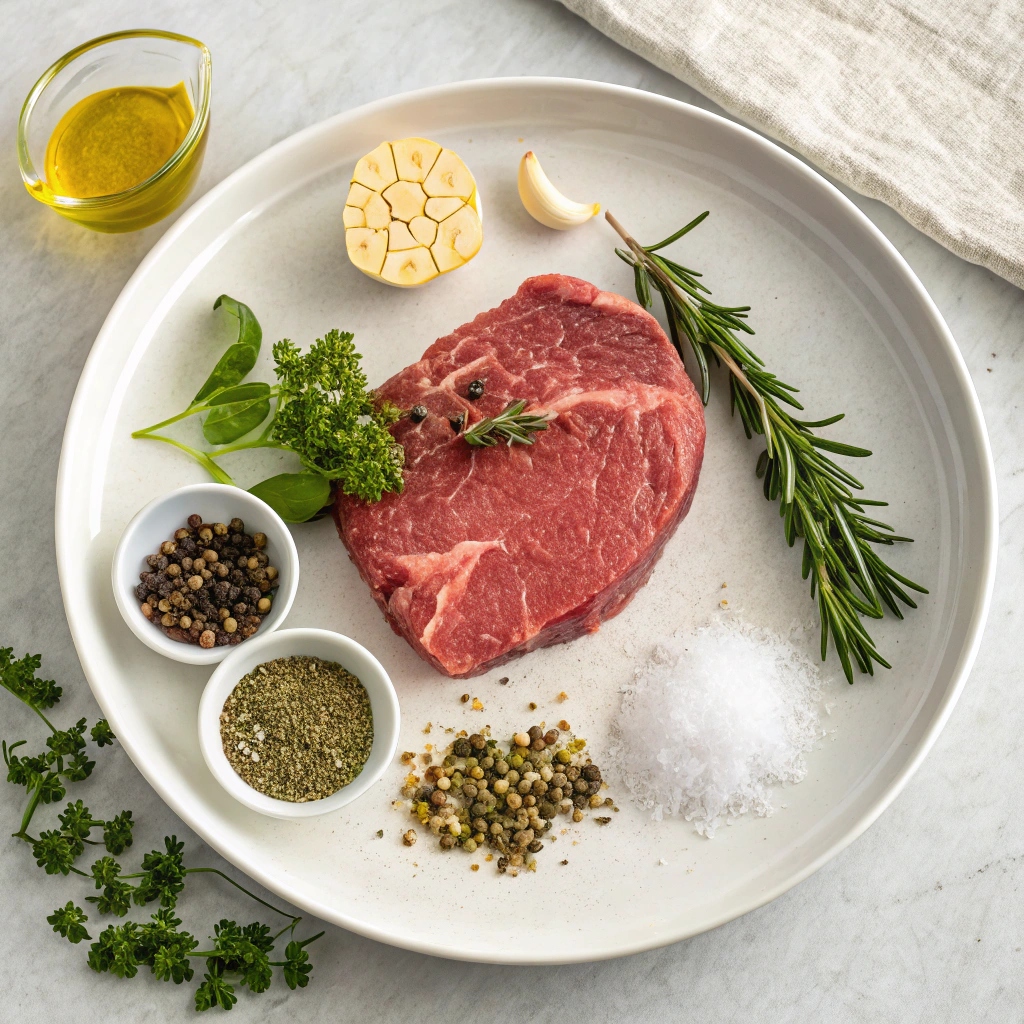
point(216, 503)
point(312, 643)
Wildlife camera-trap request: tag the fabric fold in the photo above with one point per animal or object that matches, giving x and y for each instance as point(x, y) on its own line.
point(917, 103)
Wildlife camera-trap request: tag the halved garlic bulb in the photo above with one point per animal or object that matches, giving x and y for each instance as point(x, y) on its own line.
point(412, 213)
point(545, 203)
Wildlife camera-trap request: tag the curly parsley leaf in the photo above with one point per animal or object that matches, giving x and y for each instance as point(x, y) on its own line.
point(105, 871)
point(21, 771)
point(169, 964)
point(77, 820)
point(67, 742)
point(116, 950)
point(51, 789)
point(297, 967)
point(55, 852)
point(165, 949)
point(101, 733)
point(69, 921)
point(116, 897)
point(19, 677)
point(215, 991)
point(244, 951)
point(163, 875)
point(79, 767)
point(117, 833)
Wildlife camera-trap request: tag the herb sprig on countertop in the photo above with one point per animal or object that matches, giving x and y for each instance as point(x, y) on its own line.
point(323, 412)
point(512, 425)
point(816, 496)
point(237, 955)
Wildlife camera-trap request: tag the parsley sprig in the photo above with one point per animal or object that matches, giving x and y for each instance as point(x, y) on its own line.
point(321, 409)
point(238, 955)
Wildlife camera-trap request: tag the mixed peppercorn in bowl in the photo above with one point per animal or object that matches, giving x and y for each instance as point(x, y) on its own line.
point(202, 569)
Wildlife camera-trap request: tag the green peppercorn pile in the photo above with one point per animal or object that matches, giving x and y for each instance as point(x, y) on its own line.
point(211, 584)
point(297, 728)
point(483, 795)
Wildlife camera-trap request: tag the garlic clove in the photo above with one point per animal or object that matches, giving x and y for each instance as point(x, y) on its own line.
point(409, 268)
point(399, 236)
point(424, 230)
point(449, 177)
point(376, 170)
point(367, 249)
point(545, 203)
point(445, 257)
point(461, 232)
point(358, 195)
point(406, 199)
point(377, 212)
point(438, 209)
point(414, 157)
point(353, 217)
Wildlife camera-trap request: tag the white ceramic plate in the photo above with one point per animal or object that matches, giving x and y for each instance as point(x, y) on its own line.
point(837, 311)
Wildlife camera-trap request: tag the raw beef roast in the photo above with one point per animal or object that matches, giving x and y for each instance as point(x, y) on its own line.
point(493, 552)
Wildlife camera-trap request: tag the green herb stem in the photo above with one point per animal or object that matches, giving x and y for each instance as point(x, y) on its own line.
point(192, 410)
point(816, 496)
point(28, 703)
point(231, 881)
point(259, 442)
point(512, 425)
point(203, 458)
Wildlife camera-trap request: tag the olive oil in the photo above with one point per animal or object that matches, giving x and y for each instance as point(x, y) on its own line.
point(116, 139)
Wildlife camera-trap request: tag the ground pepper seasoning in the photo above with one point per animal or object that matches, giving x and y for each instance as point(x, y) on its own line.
point(297, 728)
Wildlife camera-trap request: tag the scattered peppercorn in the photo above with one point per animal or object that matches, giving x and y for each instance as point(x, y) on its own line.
point(196, 581)
point(475, 390)
point(297, 728)
point(483, 795)
point(418, 413)
point(456, 422)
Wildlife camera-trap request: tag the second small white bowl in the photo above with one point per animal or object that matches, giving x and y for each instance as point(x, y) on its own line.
point(312, 643)
point(216, 503)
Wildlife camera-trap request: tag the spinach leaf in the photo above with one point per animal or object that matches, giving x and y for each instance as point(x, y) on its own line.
point(295, 497)
point(235, 411)
point(240, 358)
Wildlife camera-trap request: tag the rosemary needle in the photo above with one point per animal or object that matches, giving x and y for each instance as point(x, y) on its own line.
point(511, 425)
point(816, 496)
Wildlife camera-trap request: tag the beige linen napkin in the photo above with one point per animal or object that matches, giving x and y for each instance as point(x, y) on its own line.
point(918, 103)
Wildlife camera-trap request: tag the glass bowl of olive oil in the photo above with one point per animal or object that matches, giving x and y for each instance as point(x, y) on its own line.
point(113, 135)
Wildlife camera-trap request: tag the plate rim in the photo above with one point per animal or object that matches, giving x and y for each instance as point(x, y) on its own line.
point(973, 424)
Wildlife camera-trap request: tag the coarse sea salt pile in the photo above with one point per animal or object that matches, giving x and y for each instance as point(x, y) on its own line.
point(715, 718)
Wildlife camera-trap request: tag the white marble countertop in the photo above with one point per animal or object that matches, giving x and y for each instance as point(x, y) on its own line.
point(919, 920)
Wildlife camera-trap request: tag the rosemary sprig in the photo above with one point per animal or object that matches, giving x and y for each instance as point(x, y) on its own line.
point(511, 425)
point(815, 495)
